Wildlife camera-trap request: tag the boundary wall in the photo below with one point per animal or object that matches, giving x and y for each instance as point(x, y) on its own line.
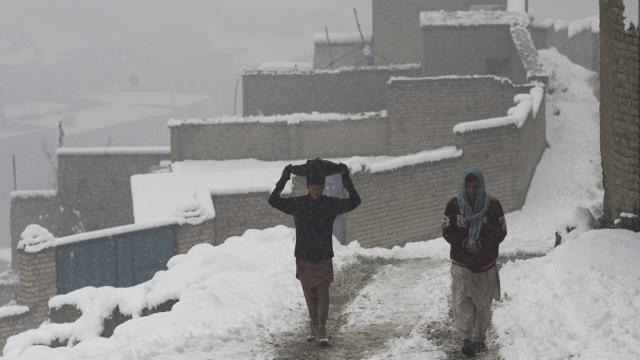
point(620, 116)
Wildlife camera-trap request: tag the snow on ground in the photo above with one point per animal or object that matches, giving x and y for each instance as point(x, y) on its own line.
point(569, 175)
point(408, 295)
point(582, 301)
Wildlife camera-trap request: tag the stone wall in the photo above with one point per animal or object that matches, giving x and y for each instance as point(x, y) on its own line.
point(619, 112)
point(422, 112)
point(396, 27)
point(338, 91)
point(189, 235)
point(280, 141)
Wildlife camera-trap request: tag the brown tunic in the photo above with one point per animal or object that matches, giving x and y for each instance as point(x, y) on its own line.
point(314, 273)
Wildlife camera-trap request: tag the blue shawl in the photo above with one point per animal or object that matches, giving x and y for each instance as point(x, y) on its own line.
point(474, 212)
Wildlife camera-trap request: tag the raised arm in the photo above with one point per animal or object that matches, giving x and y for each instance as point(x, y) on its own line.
point(285, 205)
point(346, 205)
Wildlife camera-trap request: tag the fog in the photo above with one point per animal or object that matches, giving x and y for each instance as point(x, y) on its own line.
point(59, 56)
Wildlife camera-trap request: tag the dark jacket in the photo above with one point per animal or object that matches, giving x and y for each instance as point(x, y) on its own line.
point(314, 219)
point(492, 233)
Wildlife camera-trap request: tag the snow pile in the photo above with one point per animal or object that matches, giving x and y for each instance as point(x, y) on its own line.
point(232, 297)
point(569, 174)
point(290, 119)
point(12, 310)
point(574, 222)
point(285, 66)
point(341, 38)
point(526, 105)
point(472, 18)
point(582, 301)
point(587, 24)
point(35, 238)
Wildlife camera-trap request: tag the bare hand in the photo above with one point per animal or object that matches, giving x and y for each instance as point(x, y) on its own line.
point(445, 222)
point(472, 247)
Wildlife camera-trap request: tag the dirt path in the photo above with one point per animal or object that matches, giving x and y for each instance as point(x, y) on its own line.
point(385, 309)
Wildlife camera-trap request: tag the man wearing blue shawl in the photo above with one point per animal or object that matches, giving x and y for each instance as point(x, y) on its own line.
point(474, 225)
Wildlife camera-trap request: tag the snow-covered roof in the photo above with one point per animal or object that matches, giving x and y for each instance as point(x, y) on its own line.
point(126, 150)
point(528, 53)
point(341, 38)
point(396, 79)
point(32, 194)
point(13, 310)
point(392, 67)
point(472, 18)
point(526, 104)
point(157, 196)
point(285, 66)
point(290, 119)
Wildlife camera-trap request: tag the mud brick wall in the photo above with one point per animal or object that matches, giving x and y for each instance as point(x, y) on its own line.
point(189, 235)
point(619, 112)
point(236, 213)
point(348, 91)
point(13, 325)
point(38, 279)
point(422, 113)
point(280, 141)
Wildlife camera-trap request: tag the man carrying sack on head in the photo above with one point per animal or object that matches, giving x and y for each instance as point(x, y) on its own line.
point(474, 225)
point(314, 215)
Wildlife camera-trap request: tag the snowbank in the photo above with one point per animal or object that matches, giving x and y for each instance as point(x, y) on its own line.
point(231, 298)
point(33, 194)
point(582, 301)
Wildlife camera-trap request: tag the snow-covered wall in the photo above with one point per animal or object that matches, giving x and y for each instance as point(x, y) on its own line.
point(295, 136)
point(423, 111)
point(339, 91)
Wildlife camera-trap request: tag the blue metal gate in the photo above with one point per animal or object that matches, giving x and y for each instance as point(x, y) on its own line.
point(119, 260)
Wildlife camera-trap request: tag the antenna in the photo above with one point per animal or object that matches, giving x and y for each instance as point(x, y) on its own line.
point(326, 32)
point(365, 47)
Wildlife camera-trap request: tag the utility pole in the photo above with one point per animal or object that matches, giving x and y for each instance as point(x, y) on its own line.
point(15, 178)
point(235, 96)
